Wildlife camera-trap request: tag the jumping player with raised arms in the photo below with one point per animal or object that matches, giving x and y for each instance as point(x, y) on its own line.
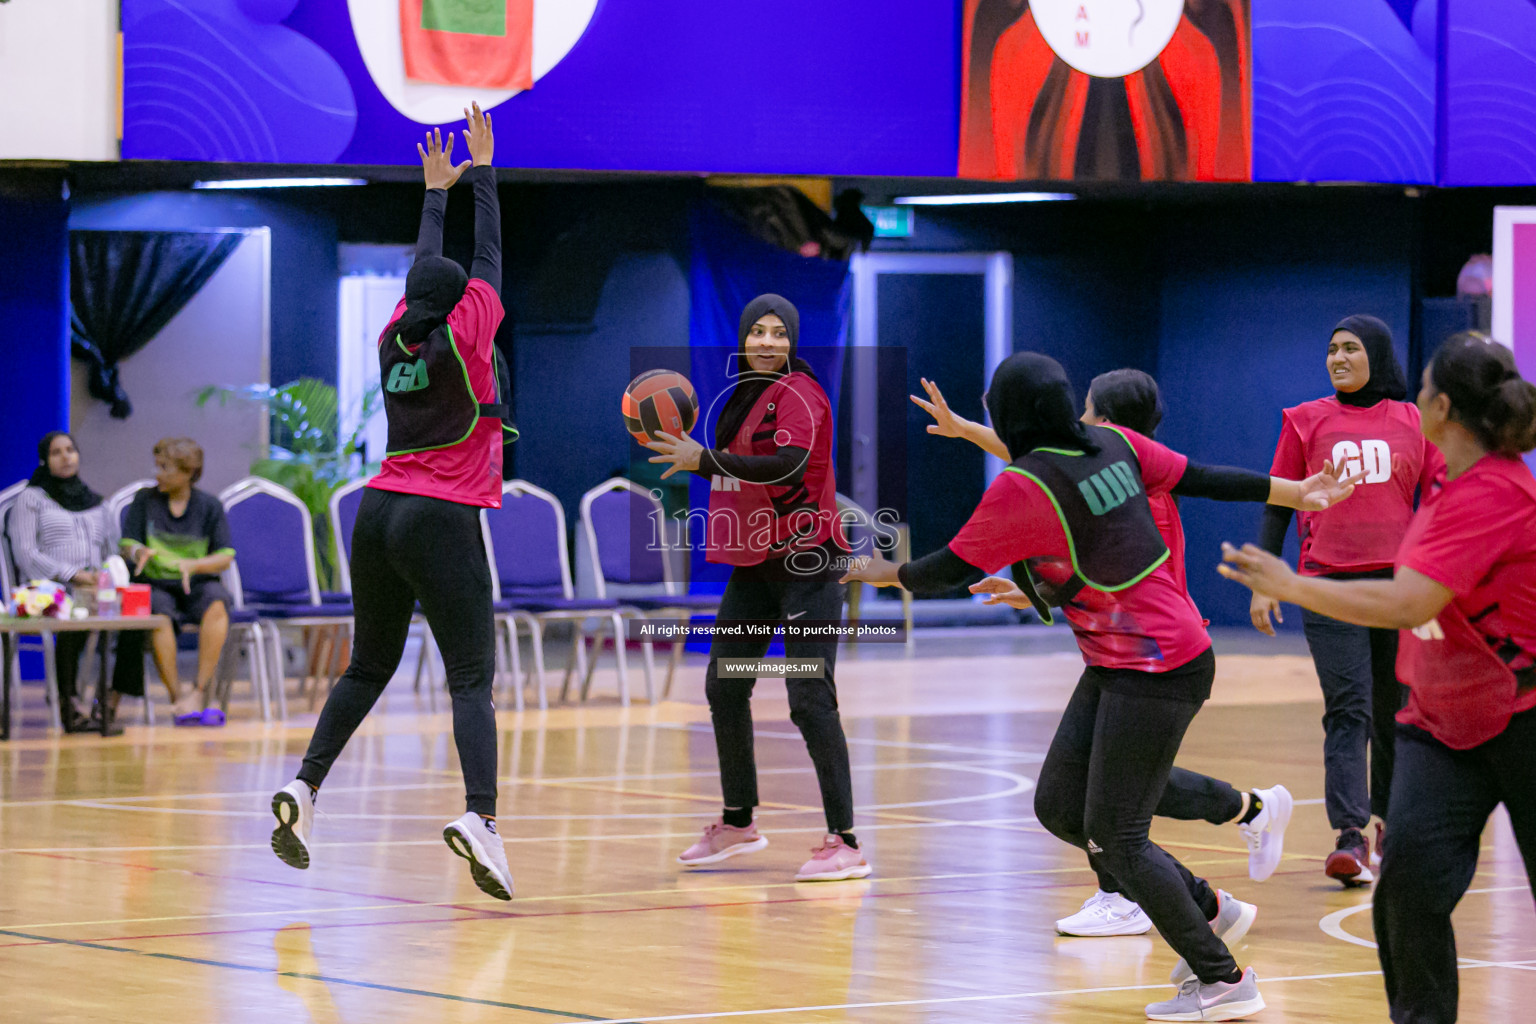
point(417, 536)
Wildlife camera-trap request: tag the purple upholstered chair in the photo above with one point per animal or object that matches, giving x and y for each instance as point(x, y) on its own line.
point(624, 528)
point(525, 541)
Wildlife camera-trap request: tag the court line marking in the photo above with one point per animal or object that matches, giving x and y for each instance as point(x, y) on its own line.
point(1333, 924)
point(1020, 784)
point(559, 897)
point(991, 997)
point(491, 913)
point(510, 780)
point(327, 979)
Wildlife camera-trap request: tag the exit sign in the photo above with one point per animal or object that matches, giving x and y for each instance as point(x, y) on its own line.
point(890, 221)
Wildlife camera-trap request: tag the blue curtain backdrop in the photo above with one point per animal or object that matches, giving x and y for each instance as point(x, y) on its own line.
point(727, 269)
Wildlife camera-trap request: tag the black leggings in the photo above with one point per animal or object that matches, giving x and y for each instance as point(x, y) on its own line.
point(1441, 802)
point(1102, 780)
point(408, 548)
point(754, 593)
point(1189, 796)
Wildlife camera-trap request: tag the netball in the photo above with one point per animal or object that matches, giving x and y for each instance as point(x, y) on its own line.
point(659, 400)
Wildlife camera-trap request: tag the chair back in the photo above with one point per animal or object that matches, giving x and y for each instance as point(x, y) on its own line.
point(8, 580)
point(344, 504)
point(525, 541)
point(274, 542)
point(625, 529)
point(117, 504)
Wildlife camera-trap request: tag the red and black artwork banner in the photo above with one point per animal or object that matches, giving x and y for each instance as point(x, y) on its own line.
point(1106, 90)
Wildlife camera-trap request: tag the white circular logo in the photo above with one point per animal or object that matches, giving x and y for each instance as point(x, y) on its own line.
point(557, 26)
point(1107, 38)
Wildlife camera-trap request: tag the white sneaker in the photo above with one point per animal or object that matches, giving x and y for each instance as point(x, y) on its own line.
point(1233, 919)
point(476, 840)
point(1265, 834)
point(294, 807)
point(1106, 913)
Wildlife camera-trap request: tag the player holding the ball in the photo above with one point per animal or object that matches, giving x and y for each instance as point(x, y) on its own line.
point(773, 517)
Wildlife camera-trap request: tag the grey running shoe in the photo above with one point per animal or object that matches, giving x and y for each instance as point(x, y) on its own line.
point(476, 840)
point(1218, 1001)
point(1233, 919)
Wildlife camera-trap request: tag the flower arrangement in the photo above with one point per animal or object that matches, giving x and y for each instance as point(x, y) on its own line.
point(40, 599)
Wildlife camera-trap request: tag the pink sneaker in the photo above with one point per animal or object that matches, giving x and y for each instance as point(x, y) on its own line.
point(722, 842)
point(833, 861)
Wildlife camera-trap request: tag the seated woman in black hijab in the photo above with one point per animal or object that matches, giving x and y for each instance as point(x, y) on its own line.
point(60, 530)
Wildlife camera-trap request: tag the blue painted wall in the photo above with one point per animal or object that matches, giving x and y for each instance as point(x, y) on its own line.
point(34, 306)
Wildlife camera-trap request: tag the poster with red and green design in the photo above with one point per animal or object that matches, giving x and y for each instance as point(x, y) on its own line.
point(482, 43)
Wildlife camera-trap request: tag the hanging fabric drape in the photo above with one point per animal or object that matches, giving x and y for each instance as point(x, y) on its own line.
point(125, 286)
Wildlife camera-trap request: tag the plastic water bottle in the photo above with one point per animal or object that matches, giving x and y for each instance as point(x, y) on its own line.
point(106, 596)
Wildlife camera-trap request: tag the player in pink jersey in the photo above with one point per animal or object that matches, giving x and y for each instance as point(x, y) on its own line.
point(1463, 594)
point(1130, 398)
point(1364, 426)
point(417, 538)
point(1072, 505)
point(773, 517)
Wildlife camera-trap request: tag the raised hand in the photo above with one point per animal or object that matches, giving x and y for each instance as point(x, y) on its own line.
point(437, 161)
point(945, 422)
point(1326, 489)
point(478, 136)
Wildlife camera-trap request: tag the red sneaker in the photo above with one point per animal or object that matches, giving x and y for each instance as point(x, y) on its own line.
point(1350, 861)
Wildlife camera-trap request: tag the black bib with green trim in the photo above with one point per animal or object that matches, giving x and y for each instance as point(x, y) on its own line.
point(429, 402)
point(1111, 535)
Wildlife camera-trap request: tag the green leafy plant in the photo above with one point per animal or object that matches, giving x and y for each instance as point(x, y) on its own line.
point(307, 453)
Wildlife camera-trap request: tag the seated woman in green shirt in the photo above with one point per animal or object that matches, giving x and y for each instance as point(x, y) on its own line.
point(177, 540)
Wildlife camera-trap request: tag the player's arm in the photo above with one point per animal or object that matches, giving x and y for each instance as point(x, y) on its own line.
point(1408, 600)
point(486, 263)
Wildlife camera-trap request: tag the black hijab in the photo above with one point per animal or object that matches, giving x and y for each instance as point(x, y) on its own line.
point(1128, 398)
point(1031, 404)
point(69, 492)
point(750, 384)
point(434, 285)
point(1387, 380)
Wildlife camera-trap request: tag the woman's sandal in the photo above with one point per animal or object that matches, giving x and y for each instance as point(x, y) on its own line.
point(212, 716)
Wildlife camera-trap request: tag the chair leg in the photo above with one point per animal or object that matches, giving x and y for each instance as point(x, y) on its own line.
point(672, 663)
point(514, 661)
point(51, 675)
point(253, 644)
point(578, 660)
point(648, 662)
point(279, 678)
point(855, 599)
point(536, 640)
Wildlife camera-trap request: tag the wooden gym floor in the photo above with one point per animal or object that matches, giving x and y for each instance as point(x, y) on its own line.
point(136, 883)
